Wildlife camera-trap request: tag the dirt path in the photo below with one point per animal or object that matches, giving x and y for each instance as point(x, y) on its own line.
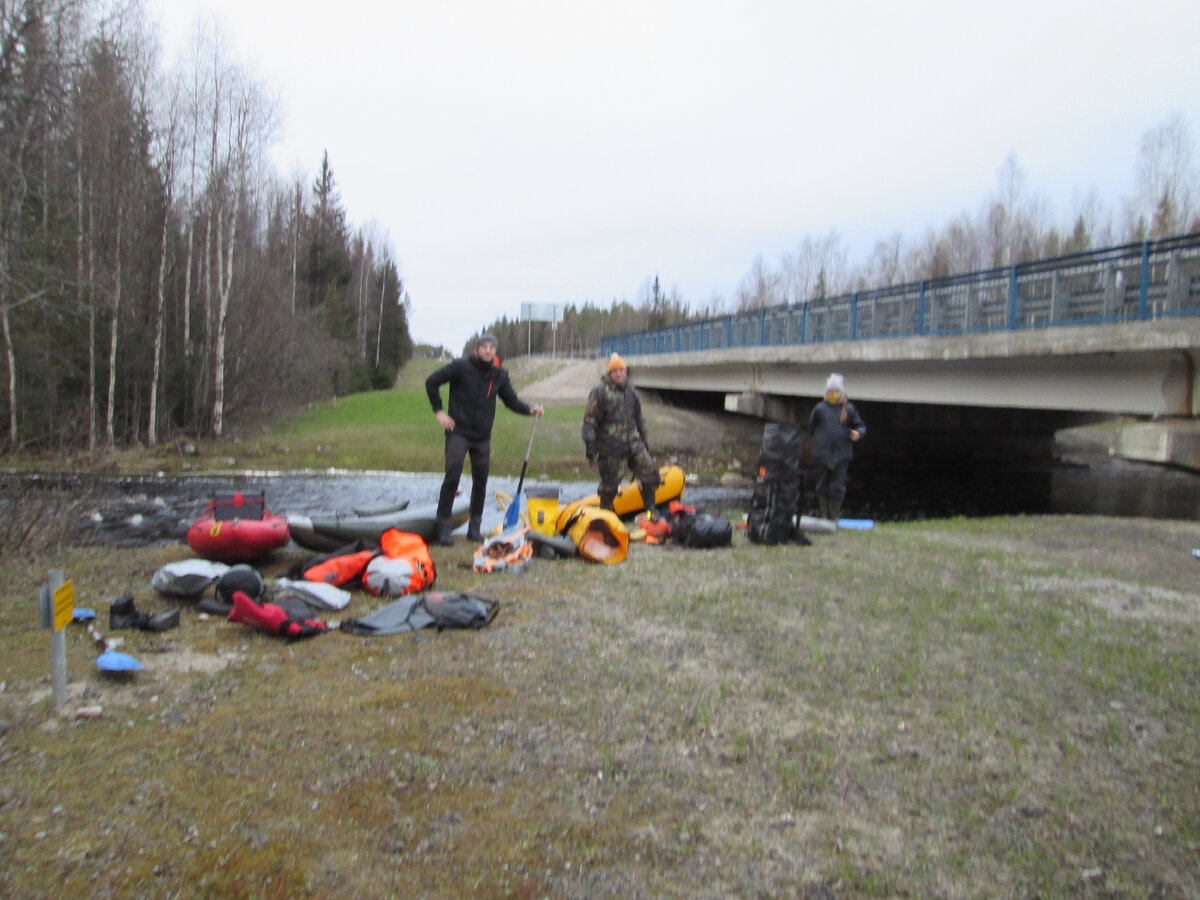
point(544, 380)
point(697, 440)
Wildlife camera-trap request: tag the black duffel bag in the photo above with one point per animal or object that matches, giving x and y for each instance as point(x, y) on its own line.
point(702, 530)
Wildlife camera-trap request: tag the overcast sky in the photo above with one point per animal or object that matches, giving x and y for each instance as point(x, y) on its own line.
point(559, 152)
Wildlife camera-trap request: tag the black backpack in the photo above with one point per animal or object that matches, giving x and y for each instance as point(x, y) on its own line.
point(777, 489)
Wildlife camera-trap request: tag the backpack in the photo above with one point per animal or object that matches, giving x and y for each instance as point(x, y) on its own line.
point(776, 497)
point(404, 567)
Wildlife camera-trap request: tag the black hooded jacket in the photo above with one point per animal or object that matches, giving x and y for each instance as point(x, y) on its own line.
point(474, 387)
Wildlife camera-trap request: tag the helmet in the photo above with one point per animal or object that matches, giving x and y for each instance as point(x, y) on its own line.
point(241, 578)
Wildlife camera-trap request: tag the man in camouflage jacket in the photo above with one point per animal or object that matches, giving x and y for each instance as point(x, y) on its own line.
point(614, 435)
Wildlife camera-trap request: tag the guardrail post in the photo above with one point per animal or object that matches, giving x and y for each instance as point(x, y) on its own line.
point(762, 327)
point(854, 316)
point(1012, 298)
point(804, 324)
point(921, 310)
point(1144, 282)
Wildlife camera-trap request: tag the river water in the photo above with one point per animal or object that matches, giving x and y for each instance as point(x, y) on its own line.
point(135, 511)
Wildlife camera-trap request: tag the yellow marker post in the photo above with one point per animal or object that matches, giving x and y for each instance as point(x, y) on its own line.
point(57, 608)
point(64, 604)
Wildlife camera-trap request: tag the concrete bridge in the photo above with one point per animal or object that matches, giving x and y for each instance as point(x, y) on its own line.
point(983, 366)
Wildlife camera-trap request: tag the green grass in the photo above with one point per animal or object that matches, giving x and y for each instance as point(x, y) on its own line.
point(395, 430)
point(928, 709)
point(374, 431)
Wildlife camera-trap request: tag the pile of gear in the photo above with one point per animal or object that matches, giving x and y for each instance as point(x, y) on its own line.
point(295, 605)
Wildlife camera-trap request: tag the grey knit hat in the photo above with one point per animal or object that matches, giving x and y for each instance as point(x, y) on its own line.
point(835, 382)
point(487, 338)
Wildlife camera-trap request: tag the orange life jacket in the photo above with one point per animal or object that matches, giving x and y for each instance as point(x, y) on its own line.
point(507, 551)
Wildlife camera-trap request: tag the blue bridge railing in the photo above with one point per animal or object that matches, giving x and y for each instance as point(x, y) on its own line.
point(1134, 282)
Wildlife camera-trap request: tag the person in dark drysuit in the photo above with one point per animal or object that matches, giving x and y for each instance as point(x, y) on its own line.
point(475, 383)
point(614, 436)
point(835, 426)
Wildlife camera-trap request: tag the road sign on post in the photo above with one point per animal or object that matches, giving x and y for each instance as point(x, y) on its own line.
point(57, 609)
point(542, 312)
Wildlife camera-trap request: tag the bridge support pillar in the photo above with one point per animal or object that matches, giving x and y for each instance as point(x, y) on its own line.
point(771, 407)
point(1172, 442)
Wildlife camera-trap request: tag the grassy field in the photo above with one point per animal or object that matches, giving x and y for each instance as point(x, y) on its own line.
point(395, 430)
point(953, 709)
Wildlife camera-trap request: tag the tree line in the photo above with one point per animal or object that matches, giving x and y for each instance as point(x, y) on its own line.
point(157, 276)
point(1013, 224)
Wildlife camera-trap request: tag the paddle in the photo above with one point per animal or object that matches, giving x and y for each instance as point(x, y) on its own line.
point(513, 513)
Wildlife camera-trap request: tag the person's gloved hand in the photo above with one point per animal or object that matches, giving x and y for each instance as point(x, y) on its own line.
point(590, 452)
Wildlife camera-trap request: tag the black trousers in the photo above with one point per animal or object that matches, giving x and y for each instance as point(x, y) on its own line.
point(457, 448)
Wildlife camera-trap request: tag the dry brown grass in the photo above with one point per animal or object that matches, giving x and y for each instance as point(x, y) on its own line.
point(998, 708)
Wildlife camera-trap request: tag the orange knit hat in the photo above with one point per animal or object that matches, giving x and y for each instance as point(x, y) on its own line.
point(615, 362)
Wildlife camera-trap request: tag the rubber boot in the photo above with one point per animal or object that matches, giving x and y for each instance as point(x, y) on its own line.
point(473, 529)
point(163, 621)
point(823, 505)
point(835, 510)
point(122, 613)
point(444, 537)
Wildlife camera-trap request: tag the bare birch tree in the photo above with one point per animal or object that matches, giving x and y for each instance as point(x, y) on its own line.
point(1164, 200)
point(167, 150)
point(245, 132)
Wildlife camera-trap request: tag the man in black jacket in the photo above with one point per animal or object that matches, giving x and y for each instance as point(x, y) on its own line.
point(475, 383)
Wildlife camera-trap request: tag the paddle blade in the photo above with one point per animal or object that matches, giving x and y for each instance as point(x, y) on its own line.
point(513, 514)
point(113, 661)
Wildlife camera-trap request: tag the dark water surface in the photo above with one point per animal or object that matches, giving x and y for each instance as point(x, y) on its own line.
point(132, 511)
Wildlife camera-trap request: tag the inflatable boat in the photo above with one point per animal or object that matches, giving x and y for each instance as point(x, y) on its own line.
point(331, 532)
point(237, 528)
point(629, 499)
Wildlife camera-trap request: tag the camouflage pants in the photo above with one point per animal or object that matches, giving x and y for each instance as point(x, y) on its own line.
point(644, 469)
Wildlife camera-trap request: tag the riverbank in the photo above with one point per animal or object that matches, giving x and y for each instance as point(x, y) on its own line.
point(985, 708)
